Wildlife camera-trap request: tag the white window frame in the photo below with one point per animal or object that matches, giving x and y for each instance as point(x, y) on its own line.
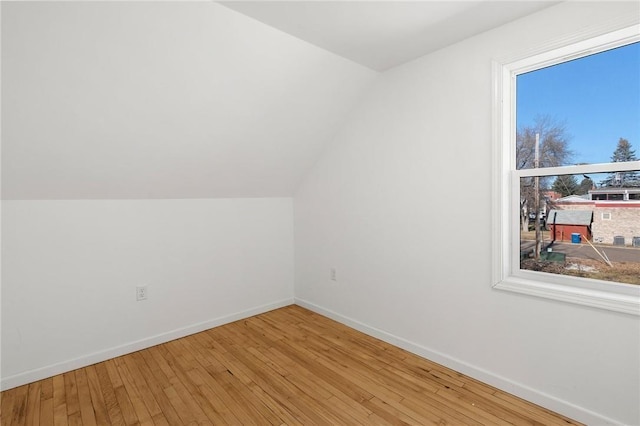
point(506, 272)
point(606, 216)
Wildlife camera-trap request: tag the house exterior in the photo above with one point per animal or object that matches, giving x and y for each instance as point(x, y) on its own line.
point(615, 212)
point(563, 224)
point(615, 194)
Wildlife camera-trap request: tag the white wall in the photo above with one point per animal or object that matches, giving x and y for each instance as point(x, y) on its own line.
point(400, 205)
point(70, 268)
point(162, 99)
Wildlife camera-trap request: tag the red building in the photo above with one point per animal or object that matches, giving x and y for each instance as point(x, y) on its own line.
point(563, 224)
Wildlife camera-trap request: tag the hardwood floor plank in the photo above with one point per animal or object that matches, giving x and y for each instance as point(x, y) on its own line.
point(97, 397)
point(389, 413)
point(169, 414)
point(289, 366)
point(220, 362)
point(244, 389)
point(168, 374)
point(218, 412)
point(270, 397)
point(326, 394)
point(326, 371)
point(308, 387)
point(186, 417)
point(259, 412)
point(75, 419)
point(71, 393)
point(137, 402)
point(46, 412)
point(274, 384)
point(160, 420)
point(46, 391)
point(126, 406)
point(84, 397)
point(181, 383)
point(360, 416)
point(537, 414)
point(60, 417)
point(114, 375)
point(491, 404)
point(59, 400)
point(109, 396)
point(137, 379)
point(33, 404)
point(20, 398)
point(7, 400)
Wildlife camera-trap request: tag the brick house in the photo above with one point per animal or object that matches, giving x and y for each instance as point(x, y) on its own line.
point(616, 214)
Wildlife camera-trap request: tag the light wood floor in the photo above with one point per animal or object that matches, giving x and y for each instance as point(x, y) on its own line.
point(288, 366)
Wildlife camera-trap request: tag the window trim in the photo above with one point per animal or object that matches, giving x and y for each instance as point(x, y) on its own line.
point(506, 272)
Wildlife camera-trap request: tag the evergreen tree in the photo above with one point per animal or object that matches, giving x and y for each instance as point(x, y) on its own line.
point(585, 185)
point(622, 153)
point(565, 185)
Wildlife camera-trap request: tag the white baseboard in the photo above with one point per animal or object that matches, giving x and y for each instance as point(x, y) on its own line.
point(537, 397)
point(93, 358)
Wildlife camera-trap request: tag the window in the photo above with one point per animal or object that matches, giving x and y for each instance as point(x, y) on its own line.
point(518, 178)
point(606, 216)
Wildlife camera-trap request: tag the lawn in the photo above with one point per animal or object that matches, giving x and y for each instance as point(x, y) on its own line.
point(622, 272)
point(531, 235)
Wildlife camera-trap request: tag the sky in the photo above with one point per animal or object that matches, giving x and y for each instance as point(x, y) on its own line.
point(597, 97)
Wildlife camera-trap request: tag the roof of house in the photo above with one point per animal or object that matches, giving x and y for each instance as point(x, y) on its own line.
point(574, 199)
point(570, 217)
point(615, 189)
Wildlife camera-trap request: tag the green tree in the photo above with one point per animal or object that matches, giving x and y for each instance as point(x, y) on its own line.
point(586, 184)
point(566, 185)
point(622, 153)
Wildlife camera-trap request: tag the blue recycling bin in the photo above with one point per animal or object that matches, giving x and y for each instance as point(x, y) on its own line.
point(575, 238)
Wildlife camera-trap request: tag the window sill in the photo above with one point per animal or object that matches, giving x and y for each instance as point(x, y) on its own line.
point(616, 297)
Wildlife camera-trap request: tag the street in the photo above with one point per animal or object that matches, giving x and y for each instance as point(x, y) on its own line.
point(585, 251)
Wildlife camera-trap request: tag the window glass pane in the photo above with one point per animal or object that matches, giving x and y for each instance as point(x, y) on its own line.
point(586, 111)
point(580, 228)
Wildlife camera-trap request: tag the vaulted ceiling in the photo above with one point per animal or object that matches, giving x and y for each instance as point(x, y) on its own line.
point(195, 99)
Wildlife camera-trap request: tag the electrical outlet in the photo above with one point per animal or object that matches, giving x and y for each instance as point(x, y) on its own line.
point(333, 275)
point(141, 293)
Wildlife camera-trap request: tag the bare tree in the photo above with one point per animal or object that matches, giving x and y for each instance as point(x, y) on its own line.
point(553, 151)
point(554, 143)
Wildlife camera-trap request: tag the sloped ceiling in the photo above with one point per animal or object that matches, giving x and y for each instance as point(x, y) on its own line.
point(162, 100)
point(383, 34)
point(126, 100)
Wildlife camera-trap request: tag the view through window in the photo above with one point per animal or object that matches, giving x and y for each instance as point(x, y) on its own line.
point(580, 113)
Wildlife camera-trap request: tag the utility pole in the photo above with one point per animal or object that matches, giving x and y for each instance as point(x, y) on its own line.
point(536, 204)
